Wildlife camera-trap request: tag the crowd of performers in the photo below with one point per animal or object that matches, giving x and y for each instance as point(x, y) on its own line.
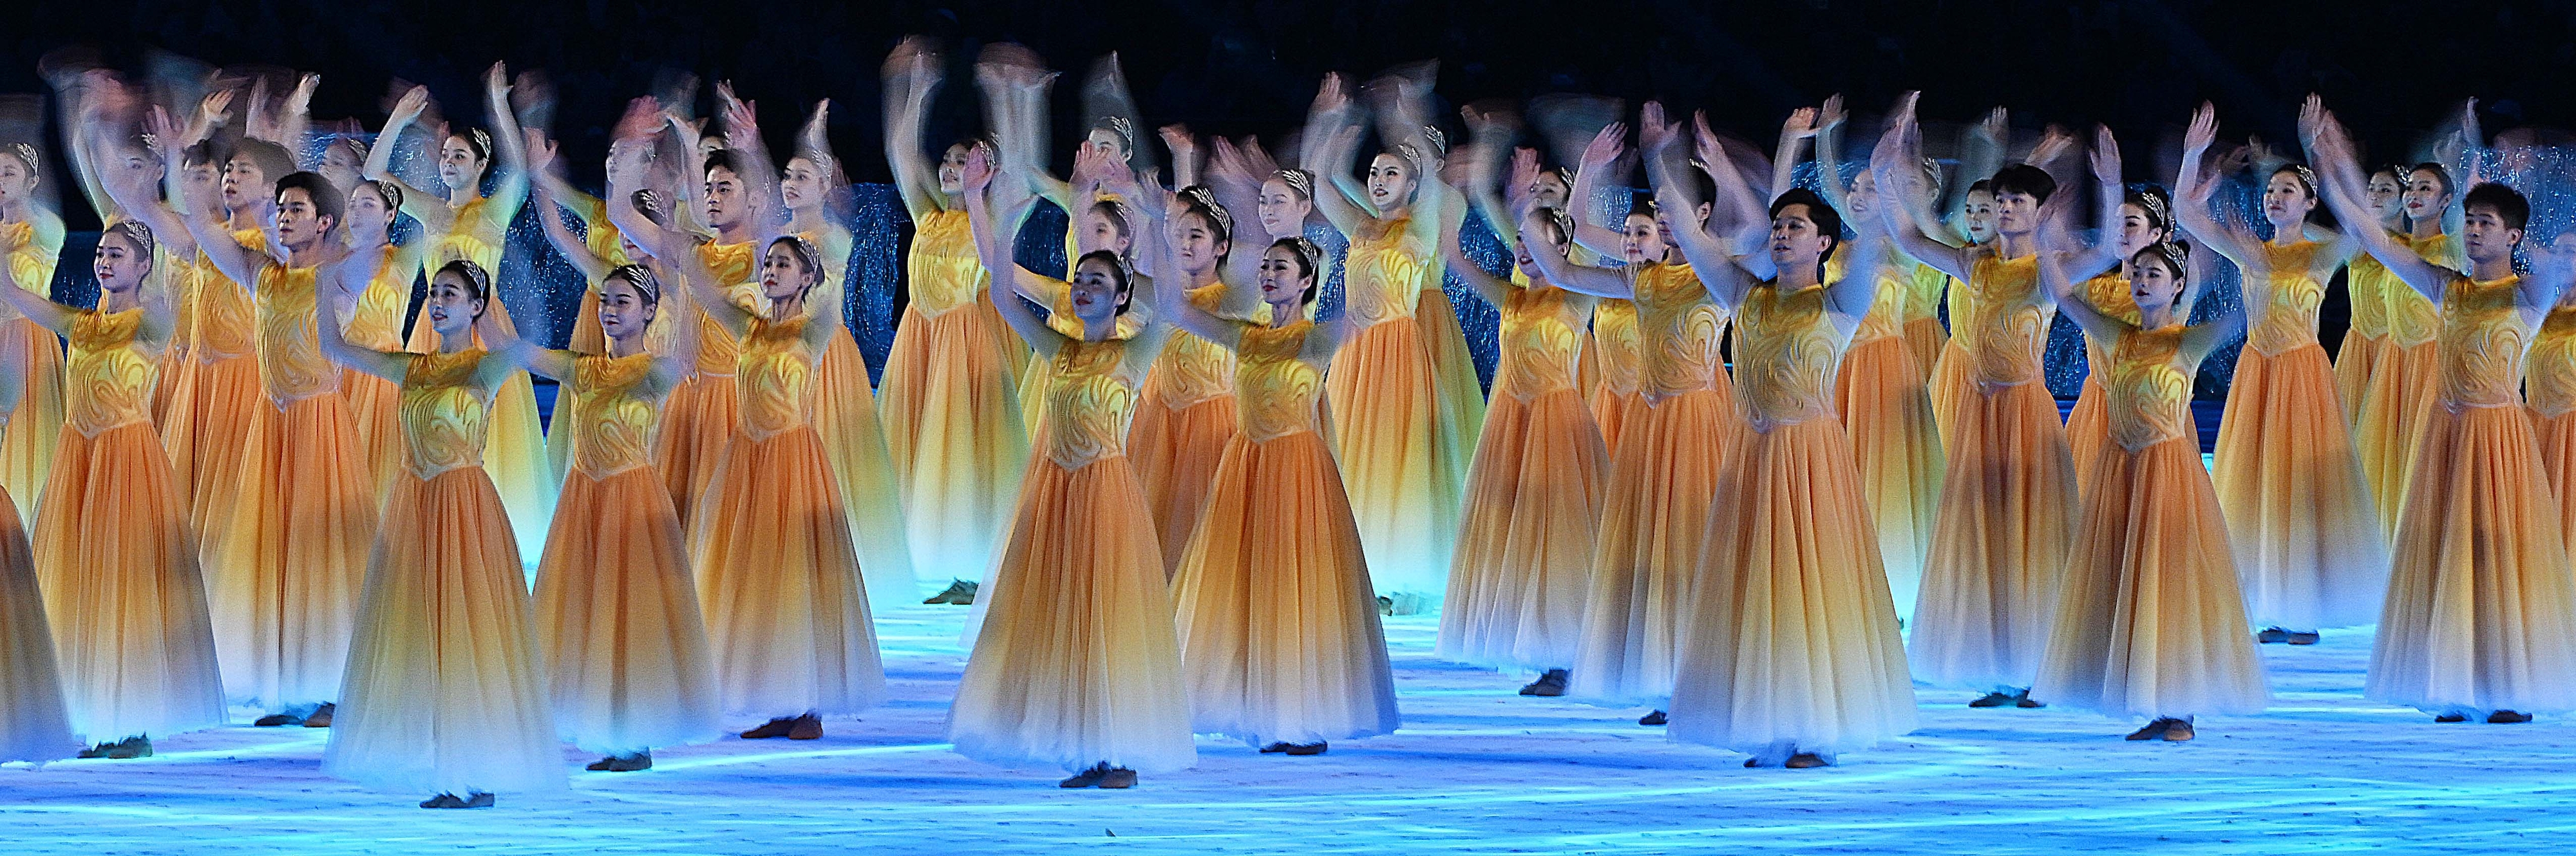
point(1179, 500)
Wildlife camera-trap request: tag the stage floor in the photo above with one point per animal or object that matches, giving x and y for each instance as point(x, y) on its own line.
point(1475, 769)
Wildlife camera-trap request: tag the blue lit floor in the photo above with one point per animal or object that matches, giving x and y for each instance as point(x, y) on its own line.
point(1476, 769)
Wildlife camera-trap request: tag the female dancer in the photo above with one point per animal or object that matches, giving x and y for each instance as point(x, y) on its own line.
point(1793, 655)
point(34, 723)
point(1666, 469)
point(730, 185)
point(2365, 343)
point(443, 685)
point(1187, 415)
point(2149, 621)
point(1404, 470)
point(31, 244)
point(2297, 508)
point(950, 395)
point(116, 564)
point(1534, 492)
point(617, 616)
point(286, 567)
point(372, 302)
point(2006, 516)
point(2471, 625)
point(2550, 388)
point(2406, 378)
point(2133, 221)
point(219, 388)
point(1278, 632)
point(465, 223)
point(1617, 400)
point(845, 405)
point(1075, 664)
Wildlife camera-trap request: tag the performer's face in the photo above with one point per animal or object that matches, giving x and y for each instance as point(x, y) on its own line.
point(624, 312)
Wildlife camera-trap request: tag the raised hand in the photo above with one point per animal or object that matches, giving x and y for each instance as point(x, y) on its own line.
point(1333, 96)
point(1652, 132)
point(2105, 157)
point(2311, 115)
point(977, 173)
point(496, 80)
point(1997, 128)
point(1705, 142)
point(2203, 131)
point(2054, 143)
point(1606, 147)
point(410, 105)
point(541, 151)
point(216, 108)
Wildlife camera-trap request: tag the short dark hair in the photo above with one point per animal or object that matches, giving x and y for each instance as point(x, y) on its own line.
point(2024, 179)
point(272, 159)
point(1985, 185)
point(327, 200)
point(1829, 222)
point(721, 158)
point(2508, 203)
point(205, 152)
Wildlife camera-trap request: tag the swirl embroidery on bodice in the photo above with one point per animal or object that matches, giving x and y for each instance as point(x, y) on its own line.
point(2108, 294)
point(1540, 340)
point(1678, 330)
point(1614, 333)
point(2367, 282)
point(225, 322)
point(2551, 385)
point(1386, 270)
point(1886, 318)
point(2007, 329)
point(774, 380)
point(2412, 318)
point(376, 321)
point(1786, 353)
point(291, 365)
point(2289, 318)
point(1192, 370)
point(2484, 339)
point(444, 413)
point(943, 269)
point(732, 266)
point(1277, 394)
point(1923, 298)
point(2147, 392)
point(615, 431)
point(1090, 401)
point(107, 380)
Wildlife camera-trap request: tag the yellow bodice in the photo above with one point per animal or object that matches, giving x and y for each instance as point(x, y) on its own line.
point(444, 413)
point(1786, 353)
point(2147, 391)
point(1090, 399)
point(1614, 334)
point(615, 430)
point(2006, 327)
point(1058, 296)
point(1190, 369)
point(1886, 318)
point(226, 322)
point(1923, 296)
point(2108, 293)
point(478, 236)
point(732, 266)
point(774, 379)
point(943, 270)
point(377, 321)
point(2367, 282)
point(601, 236)
point(1540, 341)
point(2289, 316)
point(291, 365)
point(1677, 332)
point(1275, 393)
point(181, 278)
point(32, 255)
point(107, 381)
point(2484, 338)
point(2551, 385)
point(1386, 270)
point(2414, 319)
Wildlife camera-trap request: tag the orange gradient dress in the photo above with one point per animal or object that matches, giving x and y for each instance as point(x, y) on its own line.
point(2307, 538)
point(1951, 376)
point(786, 611)
point(1663, 477)
point(1925, 338)
point(605, 243)
point(1880, 396)
point(2403, 386)
point(2366, 284)
point(1277, 628)
point(285, 569)
point(444, 692)
point(32, 248)
point(950, 405)
point(1183, 424)
point(376, 324)
point(699, 418)
point(2149, 620)
point(218, 394)
point(34, 724)
point(114, 554)
point(1612, 352)
point(1793, 641)
point(2007, 514)
point(181, 278)
point(626, 658)
point(845, 417)
point(515, 459)
point(1076, 662)
point(1534, 495)
point(1391, 410)
point(2481, 609)
point(2088, 424)
point(2550, 392)
point(1462, 396)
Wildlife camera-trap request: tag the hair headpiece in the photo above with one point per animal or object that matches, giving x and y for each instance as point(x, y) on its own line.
point(482, 141)
point(2155, 207)
point(1439, 141)
point(641, 278)
point(1314, 255)
point(2177, 255)
point(2307, 177)
point(1298, 180)
point(1200, 197)
point(26, 152)
point(1125, 129)
point(135, 231)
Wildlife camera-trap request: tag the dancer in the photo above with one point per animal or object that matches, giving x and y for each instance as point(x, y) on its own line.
point(1076, 664)
point(34, 723)
point(2149, 620)
point(2549, 387)
point(2132, 220)
point(2405, 380)
point(2365, 343)
point(372, 302)
point(617, 614)
point(1611, 353)
point(118, 570)
point(2006, 516)
point(220, 388)
point(950, 394)
point(444, 690)
point(1187, 414)
point(731, 187)
point(1666, 469)
point(31, 244)
point(2298, 512)
point(1278, 631)
point(2471, 625)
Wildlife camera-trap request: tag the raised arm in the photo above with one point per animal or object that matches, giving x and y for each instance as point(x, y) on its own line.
point(201, 219)
point(509, 150)
point(2341, 182)
point(1495, 290)
point(429, 208)
point(336, 346)
point(1794, 134)
point(912, 75)
point(1333, 141)
point(1892, 164)
point(505, 344)
point(1718, 270)
point(2191, 206)
point(2102, 328)
point(1583, 278)
point(1599, 163)
point(46, 313)
point(553, 215)
point(1829, 156)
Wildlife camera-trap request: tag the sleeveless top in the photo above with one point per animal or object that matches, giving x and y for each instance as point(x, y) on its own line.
point(2483, 342)
point(2414, 319)
point(291, 365)
point(1886, 318)
point(1923, 297)
point(2289, 318)
point(774, 380)
point(733, 266)
point(1276, 394)
point(2147, 392)
point(1190, 369)
point(1614, 333)
point(226, 325)
point(1786, 354)
point(1677, 332)
point(615, 430)
point(444, 413)
point(1089, 402)
point(478, 237)
point(1540, 341)
point(2108, 293)
point(1385, 271)
point(943, 269)
point(32, 257)
point(377, 320)
point(108, 381)
point(2006, 320)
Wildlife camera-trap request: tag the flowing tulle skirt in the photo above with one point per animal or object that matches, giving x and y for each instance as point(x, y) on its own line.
point(2355, 361)
point(1076, 663)
point(1925, 339)
point(444, 692)
point(34, 723)
point(1524, 563)
point(122, 590)
point(167, 372)
point(1175, 450)
point(2308, 541)
point(2401, 391)
point(1794, 644)
point(1898, 451)
point(1453, 367)
point(1953, 381)
point(376, 404)
point(27, 444)
point(787, 613)
point(1614, 411)
point(515, 457)
point(2558, 459)
point(1646, 555)
point(1278, 631)
point(952, 423)
point(845, 419)
point(2006, 522)
point(210, 415)
point(286, 570)
point(1387, 413)
point(2088, 428)
point(697, 424)
point(2149, 621)
point(626, 658)
point(2481, 610)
